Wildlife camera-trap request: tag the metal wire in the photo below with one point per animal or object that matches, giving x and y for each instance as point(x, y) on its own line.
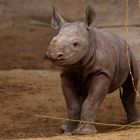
point(89, 122)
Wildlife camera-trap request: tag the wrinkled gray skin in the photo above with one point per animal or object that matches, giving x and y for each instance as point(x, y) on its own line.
point(94, 63)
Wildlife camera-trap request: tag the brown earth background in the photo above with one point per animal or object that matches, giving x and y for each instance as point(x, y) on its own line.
point(30, 84)
point(23, 42)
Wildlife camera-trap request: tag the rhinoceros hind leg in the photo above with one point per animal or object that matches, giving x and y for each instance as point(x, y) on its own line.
point(128, 100)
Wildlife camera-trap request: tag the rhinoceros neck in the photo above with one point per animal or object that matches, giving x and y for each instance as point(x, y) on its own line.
point(90, 56)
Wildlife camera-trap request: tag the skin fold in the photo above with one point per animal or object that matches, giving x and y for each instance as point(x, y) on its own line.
point(94, 63)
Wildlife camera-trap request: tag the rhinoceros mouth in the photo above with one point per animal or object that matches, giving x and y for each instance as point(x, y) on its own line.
point(60, 62)
point(64, 61)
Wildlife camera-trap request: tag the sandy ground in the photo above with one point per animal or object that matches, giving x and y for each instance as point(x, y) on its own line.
point(27, 93)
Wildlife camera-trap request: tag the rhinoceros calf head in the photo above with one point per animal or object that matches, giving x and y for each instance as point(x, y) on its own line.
point(71, 44)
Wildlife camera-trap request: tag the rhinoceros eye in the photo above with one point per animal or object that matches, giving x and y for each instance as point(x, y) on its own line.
point(75, 44)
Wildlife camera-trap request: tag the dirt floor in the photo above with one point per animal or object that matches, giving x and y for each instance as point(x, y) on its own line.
point(27, 93)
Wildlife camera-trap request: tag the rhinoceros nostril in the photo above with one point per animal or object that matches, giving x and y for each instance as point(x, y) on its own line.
point(60, 55)
point(55, 55)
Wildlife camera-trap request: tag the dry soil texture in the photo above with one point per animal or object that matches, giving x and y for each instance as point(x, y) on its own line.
point(24, 94)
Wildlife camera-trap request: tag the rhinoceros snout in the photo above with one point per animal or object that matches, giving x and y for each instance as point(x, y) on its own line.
point(55, 55)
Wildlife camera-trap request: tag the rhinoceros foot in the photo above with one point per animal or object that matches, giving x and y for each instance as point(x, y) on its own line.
point(134, 118)
point(87, 129)
point(68, 127)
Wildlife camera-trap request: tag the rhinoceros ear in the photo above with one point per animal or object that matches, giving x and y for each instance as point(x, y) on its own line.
point(57, 21)
point(91, 16)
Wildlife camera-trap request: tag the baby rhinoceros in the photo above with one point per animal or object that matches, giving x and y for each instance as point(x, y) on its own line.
point(94, 63)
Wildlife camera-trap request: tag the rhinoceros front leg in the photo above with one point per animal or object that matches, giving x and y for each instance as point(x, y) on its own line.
point(98, 87)
point(72, 102)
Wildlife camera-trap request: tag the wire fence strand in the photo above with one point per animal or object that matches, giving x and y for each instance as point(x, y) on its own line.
point(90, 122)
